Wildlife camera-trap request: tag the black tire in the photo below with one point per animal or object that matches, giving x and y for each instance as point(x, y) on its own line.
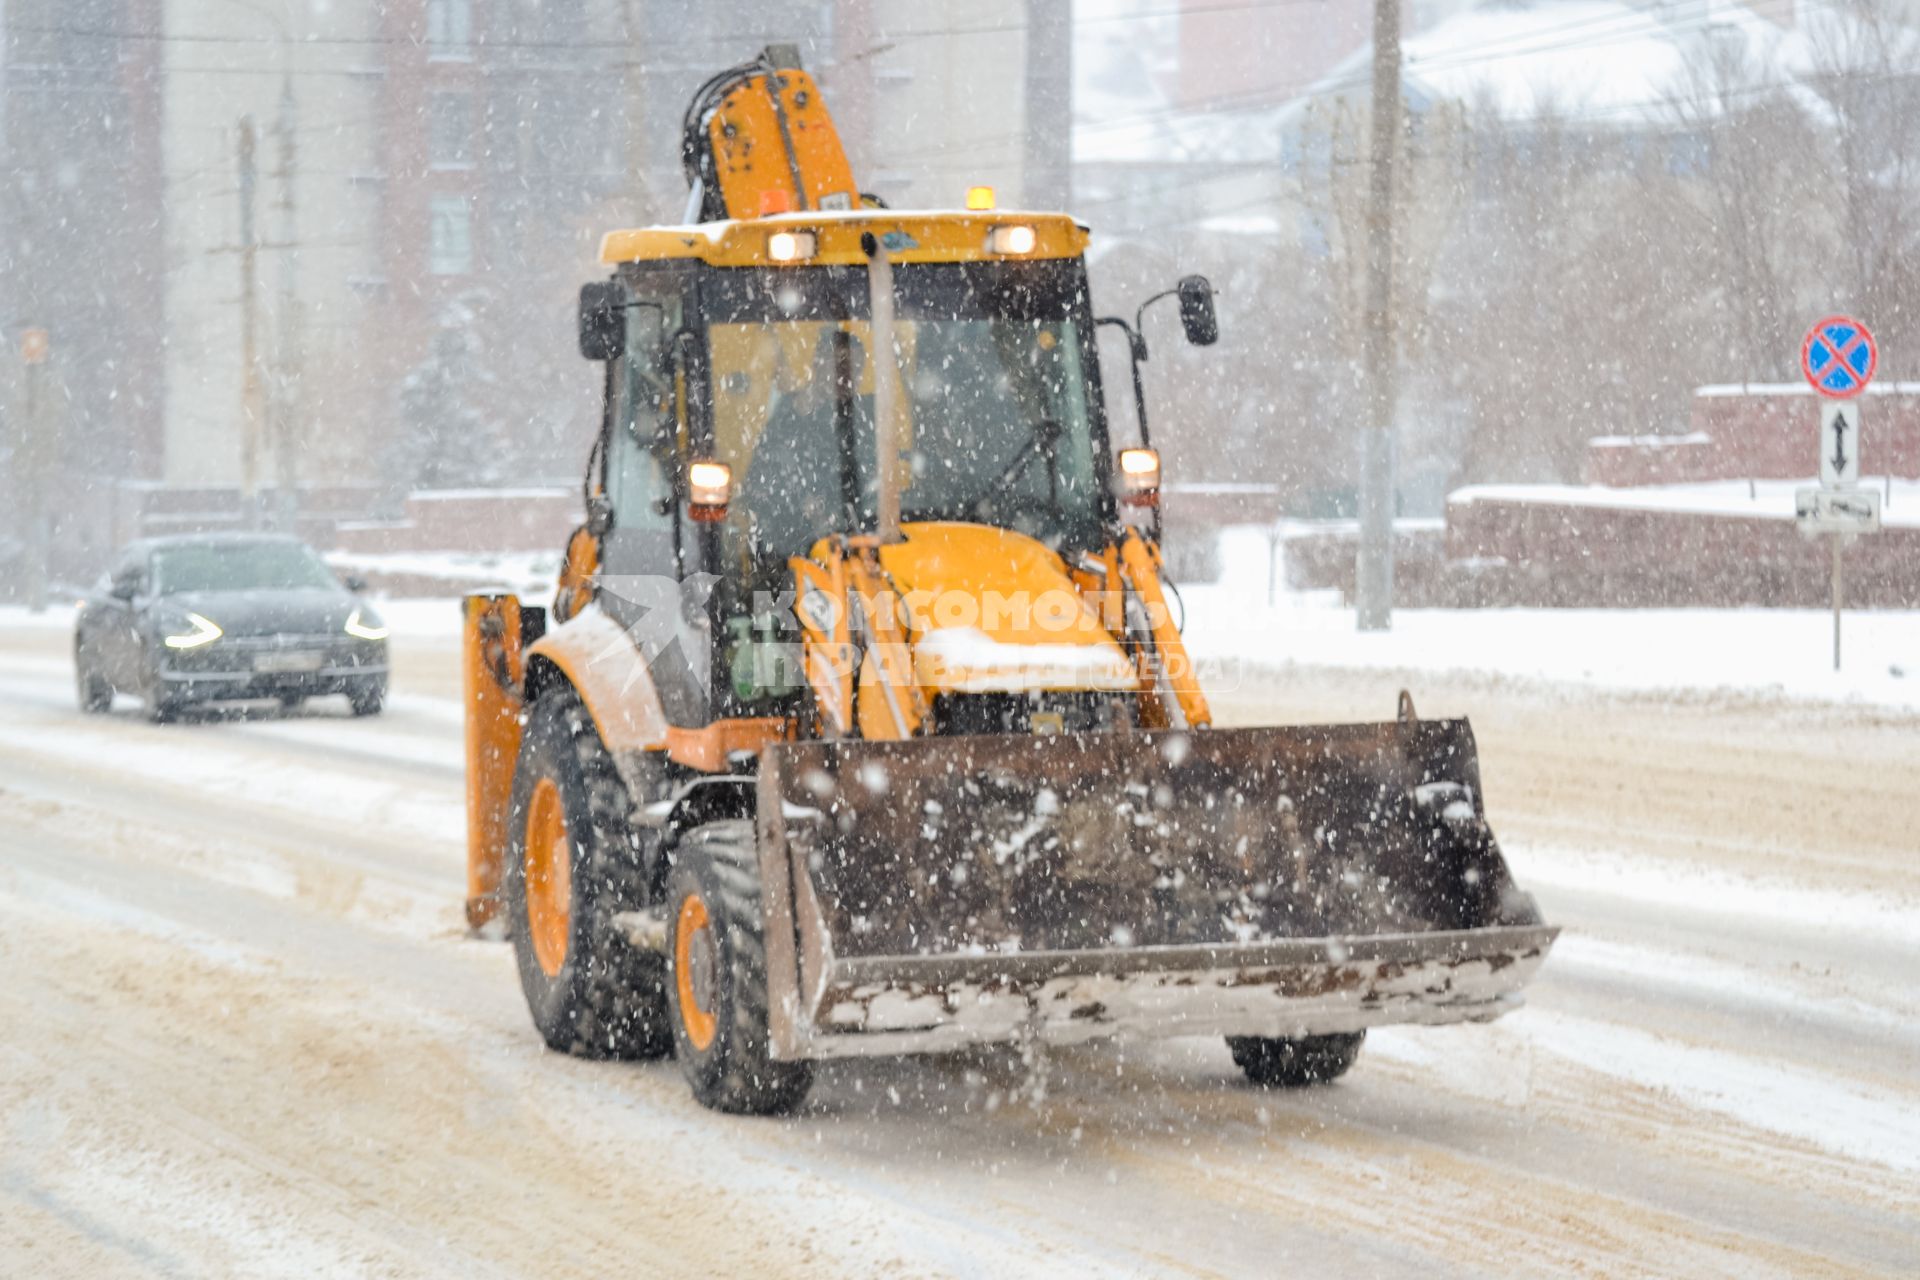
point(95, 690)
point(1291, 1064)
point(734, 1070)
point(607, 998)
point(291, 702)
point(161, 706)
point(367, 697)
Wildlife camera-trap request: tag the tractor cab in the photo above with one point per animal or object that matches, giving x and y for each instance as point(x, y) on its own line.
point(741, 422)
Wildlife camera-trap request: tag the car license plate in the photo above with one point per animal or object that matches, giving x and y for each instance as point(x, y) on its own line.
point(284, 662)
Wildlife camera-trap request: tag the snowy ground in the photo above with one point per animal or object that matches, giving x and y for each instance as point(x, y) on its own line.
point(245, 1033)
point(1694, 653)
point(1756, 499)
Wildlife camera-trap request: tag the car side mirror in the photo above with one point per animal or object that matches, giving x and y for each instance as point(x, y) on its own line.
point(354, 582)
point(125, 588)
point(1196, 311)
point(603, 322)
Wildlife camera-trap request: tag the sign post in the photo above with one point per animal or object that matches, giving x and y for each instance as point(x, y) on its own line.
point(1839, 444)
point(1838, 357)
point(1838, 580)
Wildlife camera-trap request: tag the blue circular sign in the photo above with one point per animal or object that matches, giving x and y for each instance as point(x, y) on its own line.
point(1838, 357)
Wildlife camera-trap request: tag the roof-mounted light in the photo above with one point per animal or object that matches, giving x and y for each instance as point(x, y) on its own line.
point(1015, 239)
point(792, 246)
point(979, 198)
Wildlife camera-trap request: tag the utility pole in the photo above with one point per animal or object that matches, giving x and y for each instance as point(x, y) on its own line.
point(1373, 571)
point(36, 469)
point(250, 414)
point(287, 424)
point(1048, 162)
point(856, 44)
point(639, 160)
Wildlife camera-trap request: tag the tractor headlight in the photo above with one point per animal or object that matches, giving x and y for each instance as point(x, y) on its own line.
point(1013, 240)
point(1139, 477)
point(792, 246)
point(364, 624)
point(203, 631)
point(709, 486)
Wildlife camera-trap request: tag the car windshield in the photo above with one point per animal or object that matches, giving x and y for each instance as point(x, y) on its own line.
point(238, 566)
point(998, 419)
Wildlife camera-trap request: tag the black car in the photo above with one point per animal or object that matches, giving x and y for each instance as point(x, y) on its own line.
point(223, 617)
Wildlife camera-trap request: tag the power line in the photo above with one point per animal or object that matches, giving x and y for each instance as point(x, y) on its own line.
point(1492, 50)
point(1273, 97)
point(1598, 31)
point(483, 43)
point(1262, 98)
point(1598, 115)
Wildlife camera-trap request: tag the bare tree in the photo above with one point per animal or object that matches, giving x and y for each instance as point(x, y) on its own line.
point(1333, 190)
point(1749, 201)
point(1429, 191)
point(1864, 60)
point(1503, 330)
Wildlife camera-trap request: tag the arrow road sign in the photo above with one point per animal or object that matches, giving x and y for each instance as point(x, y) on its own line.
point(1839, 443)
point(1839, 356)
point(1837, 510)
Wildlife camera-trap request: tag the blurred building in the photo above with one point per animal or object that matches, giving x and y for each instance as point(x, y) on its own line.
point(272, 231)
point(334, 247)
point(81, 255)
point(505, 139)
point(417, 166)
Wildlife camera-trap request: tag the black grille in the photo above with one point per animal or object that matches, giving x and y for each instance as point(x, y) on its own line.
point(1078, 712)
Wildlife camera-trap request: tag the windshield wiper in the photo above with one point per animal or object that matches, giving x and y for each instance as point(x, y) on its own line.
point(1041, 444)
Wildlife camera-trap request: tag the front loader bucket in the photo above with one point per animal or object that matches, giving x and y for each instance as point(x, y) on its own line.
point(938, 892)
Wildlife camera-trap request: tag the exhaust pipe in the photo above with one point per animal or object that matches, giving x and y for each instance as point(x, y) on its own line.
point(887, 399)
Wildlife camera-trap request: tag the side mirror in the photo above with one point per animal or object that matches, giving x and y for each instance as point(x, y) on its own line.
point(1196, 311)
point(652, 320)
point(354, 582)
point(603, 323)
point(599, 516)
point(125, 587)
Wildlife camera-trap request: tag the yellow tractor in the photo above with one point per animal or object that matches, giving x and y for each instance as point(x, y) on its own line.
point(859, 723)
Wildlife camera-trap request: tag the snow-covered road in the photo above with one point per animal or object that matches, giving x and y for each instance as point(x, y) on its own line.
point(243, 1033)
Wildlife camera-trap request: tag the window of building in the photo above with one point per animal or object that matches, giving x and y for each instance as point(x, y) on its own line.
point(450, 236)
point(450, 130)
point(501, 128)
point(449, 27)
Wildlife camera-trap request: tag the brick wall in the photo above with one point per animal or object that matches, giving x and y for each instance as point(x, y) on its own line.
point(1537, 553)
point(1765, 432)
point(469, 520)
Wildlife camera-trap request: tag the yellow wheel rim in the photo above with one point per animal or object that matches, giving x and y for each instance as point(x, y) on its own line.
point(549, 877)
point(693, 962)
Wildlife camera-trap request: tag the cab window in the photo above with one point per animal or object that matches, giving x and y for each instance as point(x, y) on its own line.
point(647, 435)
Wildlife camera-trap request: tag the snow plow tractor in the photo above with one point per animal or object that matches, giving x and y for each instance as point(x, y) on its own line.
point(859, 724)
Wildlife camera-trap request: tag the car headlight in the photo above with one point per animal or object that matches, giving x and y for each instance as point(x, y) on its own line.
point(365, 624)
point(205, 631)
